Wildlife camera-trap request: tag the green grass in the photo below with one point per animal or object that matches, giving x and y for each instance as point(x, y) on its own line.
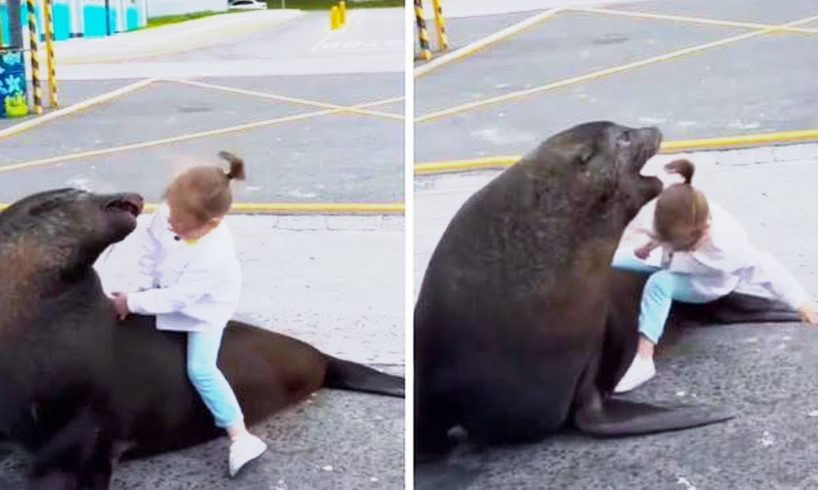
point(275, 4)
point(326, 4)
point(175, 19)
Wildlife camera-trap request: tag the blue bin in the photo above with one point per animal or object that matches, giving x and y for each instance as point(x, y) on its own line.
point(13, 84)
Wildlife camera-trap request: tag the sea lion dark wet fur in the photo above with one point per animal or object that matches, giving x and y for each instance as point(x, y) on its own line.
point(512, 331)
point(80, 390)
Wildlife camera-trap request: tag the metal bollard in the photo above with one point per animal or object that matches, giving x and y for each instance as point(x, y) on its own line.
point(35, 60)
point(423, 33)
point(334, 18)
point(53, 100)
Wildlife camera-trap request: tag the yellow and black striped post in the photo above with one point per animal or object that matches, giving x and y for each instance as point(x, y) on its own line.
point(440, 24)
point(53, 100)
point(423, 33)
point(35, 60)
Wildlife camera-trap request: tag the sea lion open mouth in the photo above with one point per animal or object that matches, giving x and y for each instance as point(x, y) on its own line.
point(130, 203)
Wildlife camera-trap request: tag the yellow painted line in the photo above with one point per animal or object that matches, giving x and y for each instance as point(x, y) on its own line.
point(160, 142)
point(485, 42)
point(301, 208)
point(723, 143)
point(487, 163)
point(320, 208)
point(693, 20)
point(292, 100)
point(604, 73)
point(757, 139)
point(178, 139)
point(79, 106)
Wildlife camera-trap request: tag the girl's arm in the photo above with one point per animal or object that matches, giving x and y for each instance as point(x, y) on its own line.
point(149, 250)
point(194, 284)
point(776, 279)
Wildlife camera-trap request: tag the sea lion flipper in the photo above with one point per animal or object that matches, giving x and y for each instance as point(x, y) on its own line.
point(347, 375)
point(80, 455)
point(735, 308)
point(618, 417)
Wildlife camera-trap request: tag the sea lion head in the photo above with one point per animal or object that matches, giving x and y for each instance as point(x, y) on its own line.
point(599, 163)
point(67, 228)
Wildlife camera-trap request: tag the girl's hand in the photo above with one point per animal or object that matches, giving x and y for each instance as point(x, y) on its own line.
point(120, 301)
point(809, 313)
point(644, 251)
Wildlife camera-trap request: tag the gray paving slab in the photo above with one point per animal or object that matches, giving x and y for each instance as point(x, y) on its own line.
point(342, 158)
point(765, 372)
point(757, 85)
point(762, 11)
point(341, 89)
point(160, 110)
point(568, 45)
point(394, 108)
point(463, 31)
point(70, 92)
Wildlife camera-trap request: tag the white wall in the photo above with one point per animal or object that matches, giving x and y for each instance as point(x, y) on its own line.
point(158, 8)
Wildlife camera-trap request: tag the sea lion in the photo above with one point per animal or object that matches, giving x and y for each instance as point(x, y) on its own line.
point(514, 337)
point(81, 390)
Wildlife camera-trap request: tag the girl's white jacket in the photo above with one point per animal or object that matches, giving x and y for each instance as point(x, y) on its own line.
point(191, 287)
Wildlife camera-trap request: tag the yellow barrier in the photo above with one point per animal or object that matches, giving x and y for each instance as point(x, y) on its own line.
point(312, 208)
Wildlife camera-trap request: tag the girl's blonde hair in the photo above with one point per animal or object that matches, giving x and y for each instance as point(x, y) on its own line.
point(204, 192)
point(682, 212)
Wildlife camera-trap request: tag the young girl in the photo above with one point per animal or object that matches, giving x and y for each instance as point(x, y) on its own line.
point(194, 283)
point(706, 255)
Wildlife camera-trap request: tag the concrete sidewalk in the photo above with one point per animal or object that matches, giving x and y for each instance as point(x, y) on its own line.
point(259, 43)
point(174, 38)
point(472, 8)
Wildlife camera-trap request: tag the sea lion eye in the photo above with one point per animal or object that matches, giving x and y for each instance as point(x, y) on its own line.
point(624, 139)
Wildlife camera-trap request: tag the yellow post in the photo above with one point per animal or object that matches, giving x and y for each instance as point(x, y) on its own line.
point(423, 34)
point(334, 18)
point(440, 24)
point(342, 8)
point(53, 100)
point(35, 60)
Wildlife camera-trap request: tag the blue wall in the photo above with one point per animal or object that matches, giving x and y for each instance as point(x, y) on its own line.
point(94, 21)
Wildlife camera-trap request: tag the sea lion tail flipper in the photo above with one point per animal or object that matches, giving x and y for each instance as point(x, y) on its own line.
point(618, 417)
point(348, 375)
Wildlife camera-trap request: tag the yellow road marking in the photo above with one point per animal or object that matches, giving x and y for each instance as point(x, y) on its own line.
point(485, 42)
point(604, 73)
point(301, 208)
point(292, 100)
point(721, 143)
point(85, 104)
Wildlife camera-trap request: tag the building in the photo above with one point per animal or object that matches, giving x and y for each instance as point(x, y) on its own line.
point(98, 18)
